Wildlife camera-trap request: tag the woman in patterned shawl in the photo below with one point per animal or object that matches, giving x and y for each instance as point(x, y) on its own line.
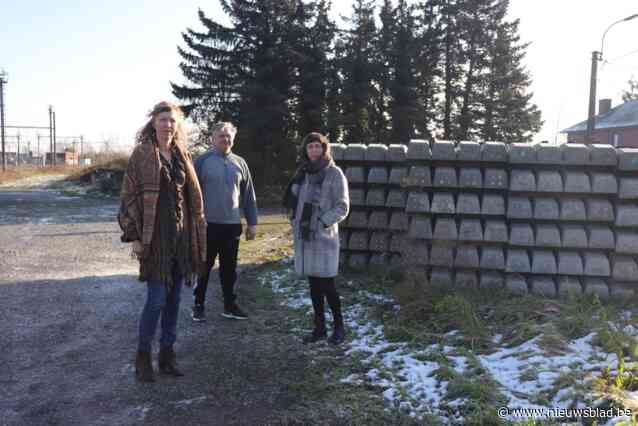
point(161, 214)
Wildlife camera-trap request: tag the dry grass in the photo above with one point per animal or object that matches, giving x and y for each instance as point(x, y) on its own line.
point(13, 174)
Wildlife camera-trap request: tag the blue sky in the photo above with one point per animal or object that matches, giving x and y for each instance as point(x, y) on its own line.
point(104, 64)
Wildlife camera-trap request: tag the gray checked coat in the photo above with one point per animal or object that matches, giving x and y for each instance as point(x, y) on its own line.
point(320, 256)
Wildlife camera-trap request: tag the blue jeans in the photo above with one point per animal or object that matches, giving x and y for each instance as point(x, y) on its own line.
point(160, 301)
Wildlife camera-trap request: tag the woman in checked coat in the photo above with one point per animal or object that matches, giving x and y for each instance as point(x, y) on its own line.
point(318, 197)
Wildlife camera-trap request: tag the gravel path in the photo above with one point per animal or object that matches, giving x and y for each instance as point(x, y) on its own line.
point(70, 303)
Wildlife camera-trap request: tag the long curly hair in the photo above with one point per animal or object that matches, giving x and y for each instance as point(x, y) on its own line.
point(147, 133)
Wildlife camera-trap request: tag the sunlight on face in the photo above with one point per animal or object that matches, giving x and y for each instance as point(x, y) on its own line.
point(314, 151)
point(223, 140)
point(165, 125)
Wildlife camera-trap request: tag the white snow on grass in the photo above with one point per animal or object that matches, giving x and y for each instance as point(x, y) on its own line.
point(407, 379)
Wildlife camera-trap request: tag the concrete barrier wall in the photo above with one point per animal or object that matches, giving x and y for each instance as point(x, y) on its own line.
point(548, 219)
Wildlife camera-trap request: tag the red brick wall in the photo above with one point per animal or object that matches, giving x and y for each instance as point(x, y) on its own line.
point(628, 136)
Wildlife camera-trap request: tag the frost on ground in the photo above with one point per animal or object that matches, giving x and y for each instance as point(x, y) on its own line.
point(424, 381)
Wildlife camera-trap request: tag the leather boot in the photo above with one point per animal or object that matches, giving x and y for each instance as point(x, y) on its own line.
point(144, 367)
point(316, 295)
point(338, 334)
point(168, 363)
point(319, 333)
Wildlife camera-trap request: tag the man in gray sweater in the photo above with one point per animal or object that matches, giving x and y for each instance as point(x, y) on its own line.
point(227, 188)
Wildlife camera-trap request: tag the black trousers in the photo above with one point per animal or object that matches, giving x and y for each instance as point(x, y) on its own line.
point(223, 240)
point(320, 288)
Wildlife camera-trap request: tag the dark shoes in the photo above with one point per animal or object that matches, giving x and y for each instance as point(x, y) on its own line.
point(198, 314)
point(167, 362)
point(144, 367)
point(338, 335)
point(234, 312)
point(315, 336)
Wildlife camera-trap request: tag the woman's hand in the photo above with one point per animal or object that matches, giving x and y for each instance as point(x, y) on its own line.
point(137, 250)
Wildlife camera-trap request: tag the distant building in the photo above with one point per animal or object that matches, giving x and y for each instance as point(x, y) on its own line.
point(68, 157)
point(614, 126)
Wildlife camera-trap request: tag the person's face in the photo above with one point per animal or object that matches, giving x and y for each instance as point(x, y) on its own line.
point(314, 151)
point(223, 140)
point(165, 125)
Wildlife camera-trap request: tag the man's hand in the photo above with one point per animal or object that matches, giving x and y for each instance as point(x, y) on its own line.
point(137, 250)
point(251, 232)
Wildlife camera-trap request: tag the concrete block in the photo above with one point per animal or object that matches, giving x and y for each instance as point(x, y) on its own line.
point(543, 286)
point(375, 197)
point(443, 202)
point(522, 153)
point(397, 174)
point(627, 242)
point(494, 151)
point(376, 152)
point(570, 263)
point(574, 236)
point(396, 262)
point(399, 221)
point(441, 277)
point(492, 258)
point(549, 181)
point(445, 229)
point(620, 291)
point(358, 240)
point(575, 153)
point(396, 198)
point(418, 202)
point(355, 152)
point(398, 243)
point(397, 153)
point(337, 150)
point(599, 210)
point(379, 241)
point(443, 150)
point(547, 235)
point(603, 155)
point(596, 265)
point(356, 175)
point(378, 220)
point(419, 149)
point(467, 280)
point(521, 234)
point(572, 209)
point(466, 257)
point(357, 197)
point(517, 284)
point(468, 203)
point(628, 188)
point(577, 182)
point(379, 261)
point(419, 176)
point(626, 215)
point(358, 261)
point(415, 253)
point(468, 151)
point(601, 237)
point(627, 159)
point(470, 177)
point(493, 204)
point(518, 208)
point(491, 281)
point(344, 237)
point(522, 180)
point(358, 219)
point(495, 231)
point(546, 208)
point(470, 230)
point(549, 154)
point(625, 268)
point(495, 179)
point(604, 183)
point(445, 177)
point(420, 228)
point(544, 262)
point(378, 175)
point(517, 261)
point(598, 287)
point(569, 287)
point(442, 255)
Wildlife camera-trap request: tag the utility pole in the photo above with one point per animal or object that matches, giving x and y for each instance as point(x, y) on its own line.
point(3, 80)
point(591, 116)
point(52, 161)
point(81, 148)
point(18, 153)
point(55, 145)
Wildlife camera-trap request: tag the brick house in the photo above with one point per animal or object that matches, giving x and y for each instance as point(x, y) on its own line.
point(614, 126)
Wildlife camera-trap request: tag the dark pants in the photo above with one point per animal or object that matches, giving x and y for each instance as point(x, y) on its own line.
point(320, 288)
point(222, 240)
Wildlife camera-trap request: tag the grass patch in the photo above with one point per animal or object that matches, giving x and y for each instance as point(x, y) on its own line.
point(13, 174)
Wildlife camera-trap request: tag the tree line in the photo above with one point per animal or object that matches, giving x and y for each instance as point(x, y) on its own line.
point(446, 69)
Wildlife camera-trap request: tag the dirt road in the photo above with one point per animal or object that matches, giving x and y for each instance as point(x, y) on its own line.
point(69, 305)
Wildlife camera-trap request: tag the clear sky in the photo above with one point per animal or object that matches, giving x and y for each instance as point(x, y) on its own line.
point(102, 65)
